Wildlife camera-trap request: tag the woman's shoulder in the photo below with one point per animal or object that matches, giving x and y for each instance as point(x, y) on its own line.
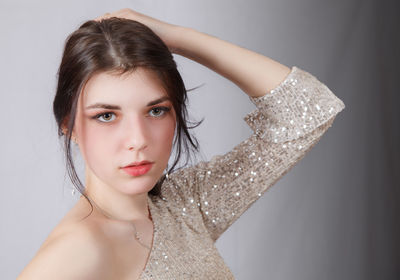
point(78, 243)
point(75, 224)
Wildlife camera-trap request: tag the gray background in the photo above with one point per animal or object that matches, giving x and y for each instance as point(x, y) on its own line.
point(334, 216)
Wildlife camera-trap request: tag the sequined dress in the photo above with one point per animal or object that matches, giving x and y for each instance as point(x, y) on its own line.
point(198, 203)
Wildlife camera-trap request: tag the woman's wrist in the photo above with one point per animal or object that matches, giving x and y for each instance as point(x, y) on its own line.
point(176, 42)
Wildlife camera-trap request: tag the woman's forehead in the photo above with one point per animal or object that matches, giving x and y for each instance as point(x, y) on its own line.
point(139, 86)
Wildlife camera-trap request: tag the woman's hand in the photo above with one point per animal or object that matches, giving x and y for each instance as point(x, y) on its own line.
point(164, 30)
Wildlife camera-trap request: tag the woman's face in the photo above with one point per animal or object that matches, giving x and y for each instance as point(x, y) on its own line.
point(123, 119)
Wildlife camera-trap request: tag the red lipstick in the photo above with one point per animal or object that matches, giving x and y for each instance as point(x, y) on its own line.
point(138, 168)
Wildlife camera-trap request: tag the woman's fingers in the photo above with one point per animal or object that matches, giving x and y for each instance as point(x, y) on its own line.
point(123, 13)
point(106, 15)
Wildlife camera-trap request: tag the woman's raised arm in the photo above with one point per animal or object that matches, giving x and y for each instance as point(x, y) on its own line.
point(254, 73)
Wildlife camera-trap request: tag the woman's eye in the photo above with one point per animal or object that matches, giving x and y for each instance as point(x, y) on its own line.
point(158, 111)
point(107, 117)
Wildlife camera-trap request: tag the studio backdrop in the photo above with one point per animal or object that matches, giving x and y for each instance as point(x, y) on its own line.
point(334, 216)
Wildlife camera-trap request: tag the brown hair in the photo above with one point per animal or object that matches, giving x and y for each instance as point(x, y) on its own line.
point(120, 45)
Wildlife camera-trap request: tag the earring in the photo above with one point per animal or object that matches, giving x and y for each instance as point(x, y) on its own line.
point(166, 173)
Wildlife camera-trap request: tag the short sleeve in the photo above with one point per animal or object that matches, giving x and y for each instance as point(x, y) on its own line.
point(287, 122)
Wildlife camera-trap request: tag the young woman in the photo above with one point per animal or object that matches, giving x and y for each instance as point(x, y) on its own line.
point(122, 101)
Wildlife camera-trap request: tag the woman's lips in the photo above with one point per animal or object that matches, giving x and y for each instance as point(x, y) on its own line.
point(138, 169)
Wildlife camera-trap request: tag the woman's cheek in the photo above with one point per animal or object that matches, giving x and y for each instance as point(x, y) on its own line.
point(168, 135)
point(96, 139)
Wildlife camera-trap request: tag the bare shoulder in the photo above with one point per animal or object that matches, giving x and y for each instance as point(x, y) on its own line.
point(75, 252)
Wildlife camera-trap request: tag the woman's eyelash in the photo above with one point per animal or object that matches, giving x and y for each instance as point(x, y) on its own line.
point(162, 108)
point(101, 114)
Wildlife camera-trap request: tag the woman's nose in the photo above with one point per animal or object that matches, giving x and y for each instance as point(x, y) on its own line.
point(136, 134)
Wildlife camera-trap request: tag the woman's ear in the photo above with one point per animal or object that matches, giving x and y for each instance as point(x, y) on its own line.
point(64, 126)
point(65, 131)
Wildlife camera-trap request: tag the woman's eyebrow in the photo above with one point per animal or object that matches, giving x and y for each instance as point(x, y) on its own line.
point(159, 100)
point(103, 106)
point(116, 107)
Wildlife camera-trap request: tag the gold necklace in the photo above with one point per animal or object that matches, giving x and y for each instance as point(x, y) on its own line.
point(134, 227)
